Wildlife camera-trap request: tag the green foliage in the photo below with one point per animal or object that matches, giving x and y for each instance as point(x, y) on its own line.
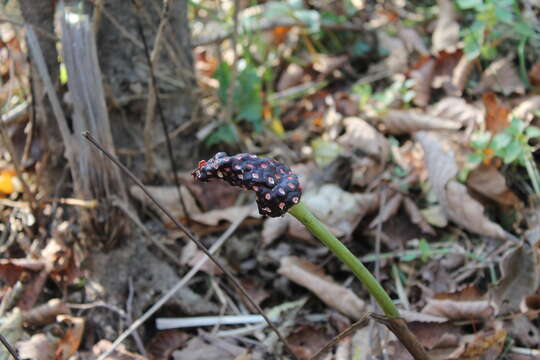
point(511, 146)
point(400, 90)
point(247, 102)
point(493, 21)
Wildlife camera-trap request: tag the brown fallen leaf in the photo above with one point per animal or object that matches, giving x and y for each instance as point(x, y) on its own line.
point(332, 294)
point(485, 345)
point(496, 114)
point(413, 41)
point(38, 347)
point(452, 195)
point(461, 73)
point(46, 313)
point(410, 121)
point(292, 76)
point(168, 197)
point(12, 269)
point(272, 229)
point(436, 335)
point(422, 74)
point(445, 65)
point(397, 60)
point(69, 344)
point(389, 209)
point(214, 217)
point(457, 109)
point(445, 36)
point(325, 64)
point(340, 210)
point(164, 343)
point(416, 216)
point(520, 278)
point(119, 353)
point(199, 349)
point(360, 135)
point(466, 304)
point(306, 340)
point(488, 181)
point(501, 76)
point(534, 74)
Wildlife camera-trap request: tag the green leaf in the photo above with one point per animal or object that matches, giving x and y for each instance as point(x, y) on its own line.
point(480, 140)
point(223, 76)
point(532, 132)
point(500, 141)
point(425, 250)
point(325, 151)
point(225, 133)
point(475, 159)
point(408, 257)
point(248, 99)
point(516, 126)
point(470, 4)
point(513, 151)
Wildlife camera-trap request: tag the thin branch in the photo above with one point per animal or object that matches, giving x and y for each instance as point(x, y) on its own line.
point(153, 100)
point(9, 348)
point(201, 247)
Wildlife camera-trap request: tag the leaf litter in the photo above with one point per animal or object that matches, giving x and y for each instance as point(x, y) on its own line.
point(361, 99)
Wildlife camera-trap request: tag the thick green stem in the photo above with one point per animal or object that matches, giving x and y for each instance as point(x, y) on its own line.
point(302, 213)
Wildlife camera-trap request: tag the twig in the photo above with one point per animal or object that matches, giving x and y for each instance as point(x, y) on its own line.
point(227, 114)
point(365, 316)
point(201, 247)
point(153, 100)
point(129, 309)
point(9, 348)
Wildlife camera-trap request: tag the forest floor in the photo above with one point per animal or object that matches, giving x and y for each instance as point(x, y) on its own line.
point(415, 130)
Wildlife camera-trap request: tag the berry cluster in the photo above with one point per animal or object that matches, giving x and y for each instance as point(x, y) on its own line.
point(277, 188)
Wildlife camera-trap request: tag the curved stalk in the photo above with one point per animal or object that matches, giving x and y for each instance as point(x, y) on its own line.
point(306, 217)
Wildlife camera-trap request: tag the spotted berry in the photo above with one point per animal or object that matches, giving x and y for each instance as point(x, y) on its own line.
point(275, 193)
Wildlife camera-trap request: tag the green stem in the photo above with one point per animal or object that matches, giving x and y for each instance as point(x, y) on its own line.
point(302, 213)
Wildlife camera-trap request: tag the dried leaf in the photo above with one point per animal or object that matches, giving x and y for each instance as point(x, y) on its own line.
point(457, 109)
point(168, 197)
point(69, 344)
point(11, 269)
point(485, 345)
point(332, 294)
point(272, 229)
point(46, 313)
point(306, 340)
point(199, 349)
point(453, 196)
point(389, 209)
point(534, 74)
point(461, 73)
point(413, 41)
point(446, 33)
point(488, 181)
point(410, 121)
point(397, 60)
point(436, 335)
point(214, 217)
point(496, 114)
point(338, 209)
point(435, 215)
point(119, 353)
point(501, 76)
point(360, 135)
point(164, 343)
point(417, 217)
point(466, 304)
point(519, 278)
point(38, 347)
point(423, 78)
point(292, 76)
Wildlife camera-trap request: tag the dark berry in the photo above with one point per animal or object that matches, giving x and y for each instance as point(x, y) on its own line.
point(276, 187)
